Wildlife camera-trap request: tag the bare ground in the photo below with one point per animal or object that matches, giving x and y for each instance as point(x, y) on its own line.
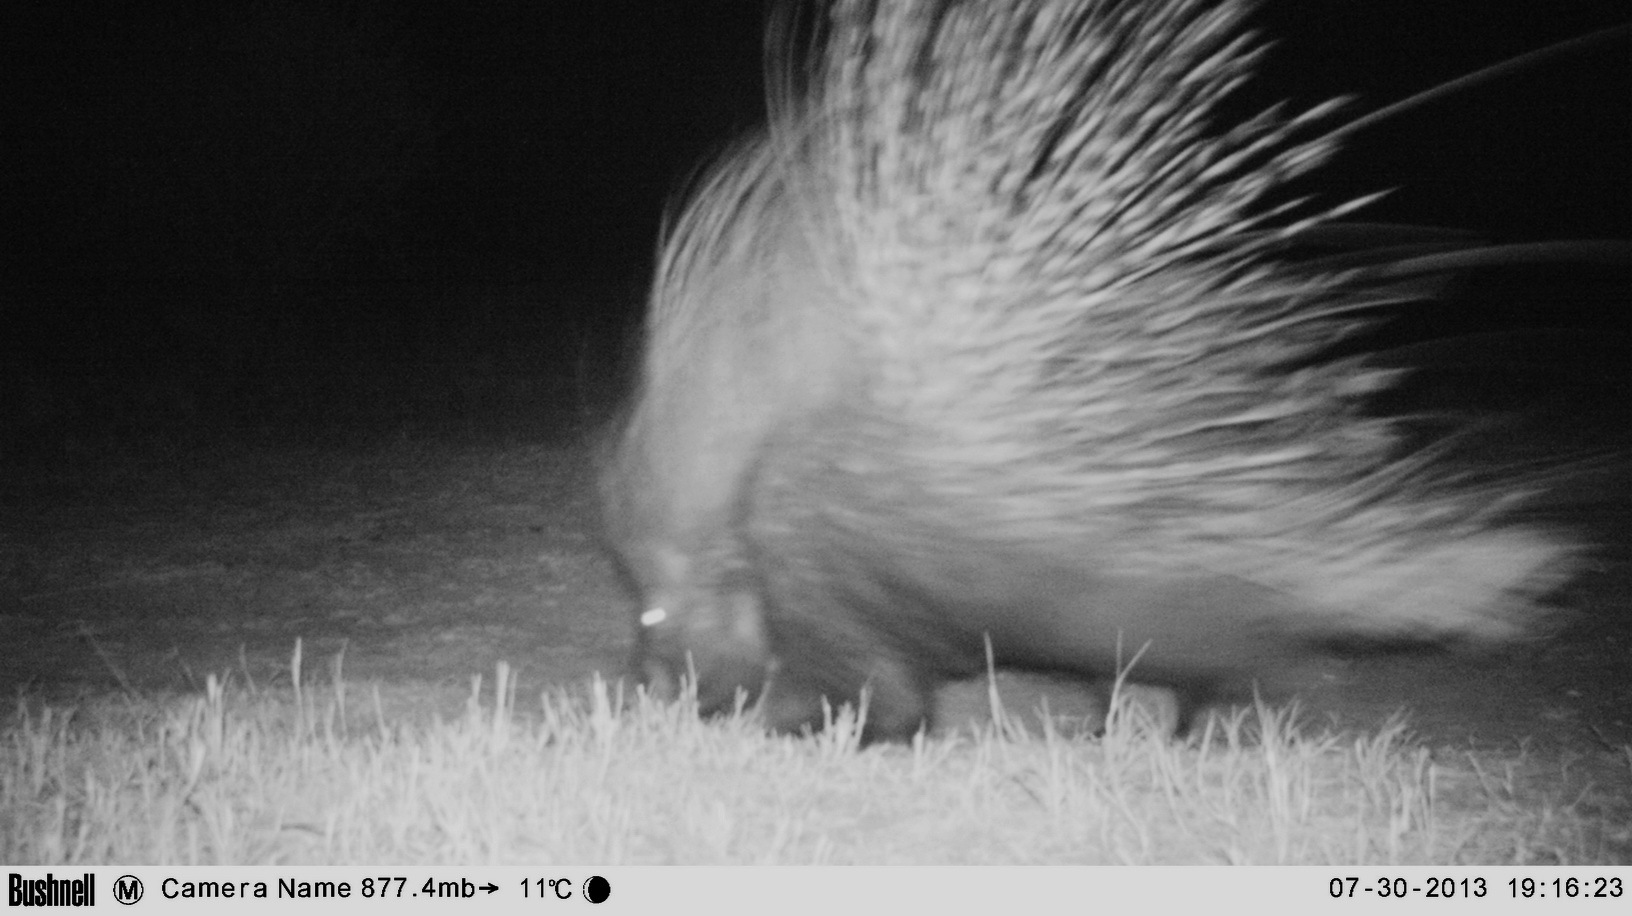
point(418, 566)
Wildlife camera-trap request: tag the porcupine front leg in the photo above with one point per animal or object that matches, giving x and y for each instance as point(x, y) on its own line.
point(824, 659)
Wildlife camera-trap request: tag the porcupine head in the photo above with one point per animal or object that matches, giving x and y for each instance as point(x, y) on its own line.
point(738, 338)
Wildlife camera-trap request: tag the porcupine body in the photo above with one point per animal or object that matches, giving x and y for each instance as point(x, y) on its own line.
point(992, 338)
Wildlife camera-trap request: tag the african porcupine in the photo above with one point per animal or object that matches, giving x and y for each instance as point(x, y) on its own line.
point(992, 336)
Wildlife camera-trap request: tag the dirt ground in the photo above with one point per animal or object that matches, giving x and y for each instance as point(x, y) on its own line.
point(418, 566)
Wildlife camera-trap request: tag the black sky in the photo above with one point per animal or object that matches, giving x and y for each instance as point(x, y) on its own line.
point(160, 162)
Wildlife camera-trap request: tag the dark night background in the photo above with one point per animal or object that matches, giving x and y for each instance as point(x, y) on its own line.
point(267, 219)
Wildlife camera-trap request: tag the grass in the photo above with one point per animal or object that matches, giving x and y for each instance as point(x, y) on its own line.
point(323, 773)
